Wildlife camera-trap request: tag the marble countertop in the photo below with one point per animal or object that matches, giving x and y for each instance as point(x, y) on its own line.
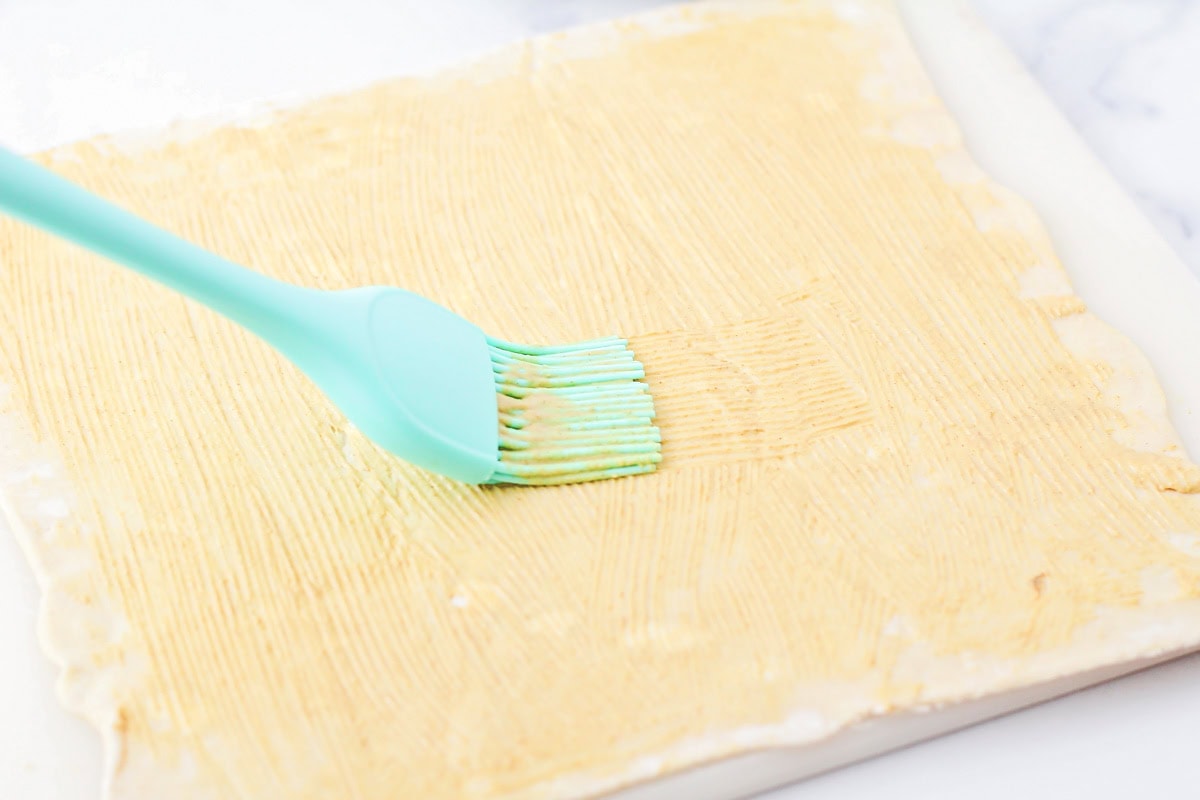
point(1123, 71)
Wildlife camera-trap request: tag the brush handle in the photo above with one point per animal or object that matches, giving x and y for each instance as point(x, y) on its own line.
point(38, 196)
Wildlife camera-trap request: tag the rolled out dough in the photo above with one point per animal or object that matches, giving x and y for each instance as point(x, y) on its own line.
point(904, 465)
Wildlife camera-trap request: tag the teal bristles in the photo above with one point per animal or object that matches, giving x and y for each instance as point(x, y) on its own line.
point(574, 413)
point(422, 382)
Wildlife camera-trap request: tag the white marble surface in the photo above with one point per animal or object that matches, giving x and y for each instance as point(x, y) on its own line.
point(1124, 71)
point(1127, 74)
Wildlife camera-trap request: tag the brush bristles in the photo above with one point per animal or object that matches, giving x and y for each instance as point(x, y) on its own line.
point(573, 413)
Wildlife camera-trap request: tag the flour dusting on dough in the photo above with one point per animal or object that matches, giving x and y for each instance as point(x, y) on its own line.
point(905, 467)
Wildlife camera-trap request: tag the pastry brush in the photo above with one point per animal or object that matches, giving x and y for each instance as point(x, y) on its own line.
point(421, 381)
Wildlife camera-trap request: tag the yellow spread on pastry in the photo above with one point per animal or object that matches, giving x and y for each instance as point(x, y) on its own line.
point(893, 473)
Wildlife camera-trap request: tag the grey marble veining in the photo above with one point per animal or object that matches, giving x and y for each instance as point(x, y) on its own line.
point(1127, 74)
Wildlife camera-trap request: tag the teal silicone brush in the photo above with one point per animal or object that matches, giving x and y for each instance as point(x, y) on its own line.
point(419, 380)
